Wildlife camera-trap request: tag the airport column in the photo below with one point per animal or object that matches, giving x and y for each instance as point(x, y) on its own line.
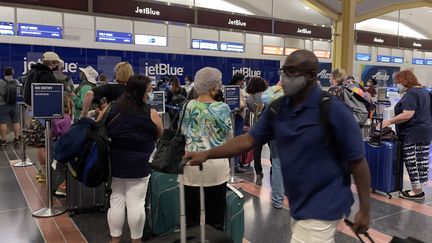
point(344, 37)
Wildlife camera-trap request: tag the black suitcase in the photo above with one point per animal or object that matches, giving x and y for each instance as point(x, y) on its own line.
point(84, 199)
point(197, 234)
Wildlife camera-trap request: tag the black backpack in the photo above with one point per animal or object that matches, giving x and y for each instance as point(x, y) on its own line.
point(175, 106)
point(275, 106)
point(10, 94)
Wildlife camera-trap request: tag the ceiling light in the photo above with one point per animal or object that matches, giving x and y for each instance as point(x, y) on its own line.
point(323, 25)
point(306, 7)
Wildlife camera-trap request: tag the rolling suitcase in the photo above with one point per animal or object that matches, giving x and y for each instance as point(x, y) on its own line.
point(202, 233)
point(162, 205)
point(385, 164)
point(234, 214)
point(83, 199)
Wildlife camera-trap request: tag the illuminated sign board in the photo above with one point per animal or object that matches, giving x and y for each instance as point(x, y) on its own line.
point(382, 58)
point(231, 47)
point(7, 28)
point(273, 50)
point(41, 31)
point(363, 57)
point(113, 37)
point(205, 45)
point(150, 40)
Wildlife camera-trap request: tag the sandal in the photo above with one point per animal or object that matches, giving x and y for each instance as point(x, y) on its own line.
point(406, 195)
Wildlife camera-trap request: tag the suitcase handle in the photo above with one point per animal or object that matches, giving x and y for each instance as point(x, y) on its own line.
point(380, 121)
point(351, 225)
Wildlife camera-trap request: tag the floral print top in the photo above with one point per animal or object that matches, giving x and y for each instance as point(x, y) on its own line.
point(206, 125)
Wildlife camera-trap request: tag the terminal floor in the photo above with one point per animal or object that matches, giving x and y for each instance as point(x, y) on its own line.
point(21, 194)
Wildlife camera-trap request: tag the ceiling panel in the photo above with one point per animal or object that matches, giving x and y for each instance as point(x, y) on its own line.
point(294, 10)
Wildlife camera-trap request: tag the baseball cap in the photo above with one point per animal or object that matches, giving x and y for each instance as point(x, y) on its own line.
point(90, 73)
point(51, 56)
point(301, 60)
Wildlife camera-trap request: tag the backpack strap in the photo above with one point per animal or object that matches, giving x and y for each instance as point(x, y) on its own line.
point(275, 106)
point(324, 116)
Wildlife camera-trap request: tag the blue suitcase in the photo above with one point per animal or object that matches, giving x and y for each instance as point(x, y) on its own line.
point(385, 166)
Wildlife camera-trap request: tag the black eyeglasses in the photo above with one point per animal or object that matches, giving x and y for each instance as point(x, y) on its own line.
point(288, 73)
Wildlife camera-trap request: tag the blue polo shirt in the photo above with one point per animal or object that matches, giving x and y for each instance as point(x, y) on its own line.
point(316, 175)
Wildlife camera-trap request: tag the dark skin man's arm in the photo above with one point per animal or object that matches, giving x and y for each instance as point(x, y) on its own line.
point(361, 174)
point(231, 148)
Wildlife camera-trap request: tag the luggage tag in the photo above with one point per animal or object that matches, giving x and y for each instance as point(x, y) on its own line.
point(351, 224)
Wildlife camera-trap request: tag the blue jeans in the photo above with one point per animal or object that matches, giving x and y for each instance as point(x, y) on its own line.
point(276, 178)
point(238, 130)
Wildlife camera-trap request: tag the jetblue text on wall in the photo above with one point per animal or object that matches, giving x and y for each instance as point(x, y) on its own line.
point(68, 67)
point(147, 11)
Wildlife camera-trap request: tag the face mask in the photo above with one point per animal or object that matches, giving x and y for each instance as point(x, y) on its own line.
point(150, 98)
point(293, 85)
point(401, 88)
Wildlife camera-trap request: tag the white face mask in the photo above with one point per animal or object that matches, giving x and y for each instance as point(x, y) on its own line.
point(401, 88)
point(293, 85)
point(150, 97)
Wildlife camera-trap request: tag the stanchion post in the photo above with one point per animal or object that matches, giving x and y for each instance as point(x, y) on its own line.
point(50, 210)
point(24, 161)
point(233, 179)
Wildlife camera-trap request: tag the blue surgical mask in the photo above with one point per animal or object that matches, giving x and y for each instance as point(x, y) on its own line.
point(150, 97)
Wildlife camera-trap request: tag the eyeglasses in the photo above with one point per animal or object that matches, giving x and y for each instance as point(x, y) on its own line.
point(288, 73)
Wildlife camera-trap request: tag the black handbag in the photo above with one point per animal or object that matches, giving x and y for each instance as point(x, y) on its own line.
point(170, 149)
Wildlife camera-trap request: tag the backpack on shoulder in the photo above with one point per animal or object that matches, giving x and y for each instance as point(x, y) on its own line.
point(324, 107)
point(10, 95)
point(360, 112)
point(85, 148)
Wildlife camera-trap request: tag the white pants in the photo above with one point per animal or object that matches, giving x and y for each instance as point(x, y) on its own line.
point(130, 194)
point(313, 231)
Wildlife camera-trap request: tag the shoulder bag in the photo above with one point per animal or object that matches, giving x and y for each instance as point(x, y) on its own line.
point(170, 149)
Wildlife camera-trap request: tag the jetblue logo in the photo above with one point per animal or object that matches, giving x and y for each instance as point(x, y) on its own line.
point(236, 22)
point(68, 67)
point(163, 69)
point(147, 11)
point(247, 72)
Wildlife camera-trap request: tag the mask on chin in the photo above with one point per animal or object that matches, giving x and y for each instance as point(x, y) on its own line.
point(293, 85)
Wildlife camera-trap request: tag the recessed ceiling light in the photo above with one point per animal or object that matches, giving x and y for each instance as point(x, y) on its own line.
point(306, 7)
point(323, 25)
point(315, 24)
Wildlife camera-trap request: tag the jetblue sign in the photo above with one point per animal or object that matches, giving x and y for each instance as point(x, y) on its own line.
point(154, 65)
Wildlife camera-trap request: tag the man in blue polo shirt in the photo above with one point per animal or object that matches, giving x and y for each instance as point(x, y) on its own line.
point(316, 169)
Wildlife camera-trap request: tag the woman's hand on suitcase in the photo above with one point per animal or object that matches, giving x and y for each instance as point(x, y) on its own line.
point(195, 158)
point(361, 222)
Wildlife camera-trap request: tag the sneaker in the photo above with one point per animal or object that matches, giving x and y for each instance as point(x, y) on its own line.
point(406, 195)
point(61, 192)
point(3, 142)
point(17, 140)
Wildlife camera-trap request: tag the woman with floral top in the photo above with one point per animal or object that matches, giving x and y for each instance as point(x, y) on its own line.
point(206, 124)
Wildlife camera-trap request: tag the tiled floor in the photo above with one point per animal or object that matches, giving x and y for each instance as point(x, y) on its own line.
point(20, 195)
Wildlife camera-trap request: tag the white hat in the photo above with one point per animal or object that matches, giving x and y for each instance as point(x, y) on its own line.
point(90, 73)
point(51, 56)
